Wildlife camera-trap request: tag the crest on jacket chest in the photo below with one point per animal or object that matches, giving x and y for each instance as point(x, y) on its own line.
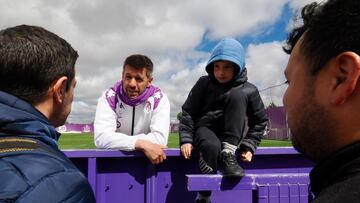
point(147, 107)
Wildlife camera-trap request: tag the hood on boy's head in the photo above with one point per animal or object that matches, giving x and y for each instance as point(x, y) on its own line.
point(227, 49)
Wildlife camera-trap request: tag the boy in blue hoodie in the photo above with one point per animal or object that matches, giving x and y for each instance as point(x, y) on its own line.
point(218, 110)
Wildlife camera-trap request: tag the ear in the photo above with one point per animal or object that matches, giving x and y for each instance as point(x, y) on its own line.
point(59, 89)
point(346, 69)
point(150, 82)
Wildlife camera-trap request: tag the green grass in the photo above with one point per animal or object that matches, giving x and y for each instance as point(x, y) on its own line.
point(76, 141)
point(86, 141)
point(275, 143)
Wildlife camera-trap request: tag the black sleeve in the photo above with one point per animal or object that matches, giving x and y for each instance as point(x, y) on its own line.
point(257, 121)
point(190, 111)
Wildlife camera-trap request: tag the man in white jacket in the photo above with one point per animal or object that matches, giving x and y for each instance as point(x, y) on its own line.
point(134, 114)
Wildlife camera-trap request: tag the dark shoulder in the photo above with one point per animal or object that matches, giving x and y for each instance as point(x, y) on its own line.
point(203, 79)
point(202, 82)
point(250, 88)
point(344, 190)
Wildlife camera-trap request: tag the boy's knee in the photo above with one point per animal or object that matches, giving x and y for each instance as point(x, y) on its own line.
point(211, 147)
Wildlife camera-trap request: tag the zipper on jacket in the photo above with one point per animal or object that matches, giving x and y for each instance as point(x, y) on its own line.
point(133, 120)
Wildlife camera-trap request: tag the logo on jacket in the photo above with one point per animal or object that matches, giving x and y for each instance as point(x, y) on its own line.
point(147, 107)
point(118, 123)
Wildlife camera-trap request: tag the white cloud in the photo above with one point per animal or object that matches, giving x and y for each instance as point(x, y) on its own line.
point(105, 32)
point(266, 64)
point(297, 5)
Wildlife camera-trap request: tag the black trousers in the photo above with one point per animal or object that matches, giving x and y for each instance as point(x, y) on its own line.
point(229, 127)
point(209, 146)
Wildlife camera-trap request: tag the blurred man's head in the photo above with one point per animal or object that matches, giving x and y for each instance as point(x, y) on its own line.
point(136, 75)
point(322, 73)
point(37, 65)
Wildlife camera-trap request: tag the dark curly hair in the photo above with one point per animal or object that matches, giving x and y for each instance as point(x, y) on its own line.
point(328, 29)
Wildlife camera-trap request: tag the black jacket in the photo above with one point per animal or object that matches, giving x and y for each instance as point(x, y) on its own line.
point(337, 179)
point(32, 168)
point(205, 104)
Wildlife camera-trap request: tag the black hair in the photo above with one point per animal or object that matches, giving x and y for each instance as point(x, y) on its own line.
point(138, 61)
point(31, 59)
point(328, 29)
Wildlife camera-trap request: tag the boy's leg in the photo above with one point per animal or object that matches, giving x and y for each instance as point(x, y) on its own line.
point(235, 107)
point(209, 146)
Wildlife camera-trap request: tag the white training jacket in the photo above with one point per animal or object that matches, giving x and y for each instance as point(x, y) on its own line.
point(113, 129)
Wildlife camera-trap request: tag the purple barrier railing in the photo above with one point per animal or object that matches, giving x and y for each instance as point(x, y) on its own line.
point(274, 175)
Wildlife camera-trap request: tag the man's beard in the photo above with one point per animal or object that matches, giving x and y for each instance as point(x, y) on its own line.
point(314, 131)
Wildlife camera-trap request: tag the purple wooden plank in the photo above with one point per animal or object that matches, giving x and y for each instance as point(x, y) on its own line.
point(284, 193)
point(229, 196)
point(150, 185)
point(72, 153)
point(119, 187)
point(201, 182)
point(125, 176)
point(92, 172)
point(277, 124)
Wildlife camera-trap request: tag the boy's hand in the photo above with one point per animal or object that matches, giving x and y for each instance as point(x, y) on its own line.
point(186, 150)
point(246, 156)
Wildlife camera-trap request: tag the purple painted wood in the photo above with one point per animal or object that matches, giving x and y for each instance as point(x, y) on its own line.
point(92, 172)
point(118, 176)
point(277, 124)
point(250, 181)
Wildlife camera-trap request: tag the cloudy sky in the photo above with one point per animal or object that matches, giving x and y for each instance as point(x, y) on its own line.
point(176, 34)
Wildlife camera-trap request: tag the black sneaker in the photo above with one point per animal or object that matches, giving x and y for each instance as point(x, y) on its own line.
point(229, 166)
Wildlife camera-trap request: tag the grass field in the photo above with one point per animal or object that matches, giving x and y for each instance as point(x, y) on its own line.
point(86, 141)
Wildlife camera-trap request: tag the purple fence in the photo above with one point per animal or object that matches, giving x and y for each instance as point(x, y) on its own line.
point(277, 126)
point(275, 175)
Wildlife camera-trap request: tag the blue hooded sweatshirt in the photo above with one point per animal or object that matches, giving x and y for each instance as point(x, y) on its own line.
point(231, 50)
point(34, 169)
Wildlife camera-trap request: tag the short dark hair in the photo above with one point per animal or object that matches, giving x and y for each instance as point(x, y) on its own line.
point(329, 29)
point(31, 58)
point(139, 61)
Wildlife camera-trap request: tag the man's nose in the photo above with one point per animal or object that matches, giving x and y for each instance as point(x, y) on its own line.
point(132, 82)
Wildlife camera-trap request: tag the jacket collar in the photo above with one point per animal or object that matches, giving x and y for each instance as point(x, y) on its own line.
point(336, 166)
point(19, 118)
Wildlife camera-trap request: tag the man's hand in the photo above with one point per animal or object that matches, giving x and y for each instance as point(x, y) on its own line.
point(154, 152)
point(186, 150)
point(246, 156)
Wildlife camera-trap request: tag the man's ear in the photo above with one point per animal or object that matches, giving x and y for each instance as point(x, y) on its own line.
point(59, 89)
point(346, 69)
point(149, 82)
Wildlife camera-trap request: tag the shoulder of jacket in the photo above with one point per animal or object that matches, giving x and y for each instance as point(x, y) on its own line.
point(250, 86)
point(204, 78)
